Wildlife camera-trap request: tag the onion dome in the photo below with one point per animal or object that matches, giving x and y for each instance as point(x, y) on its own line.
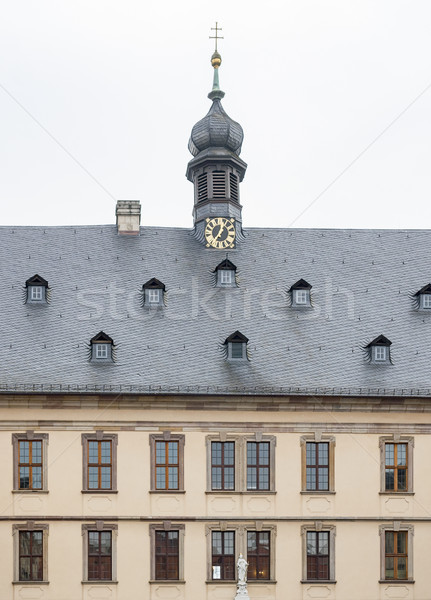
point(216, 129)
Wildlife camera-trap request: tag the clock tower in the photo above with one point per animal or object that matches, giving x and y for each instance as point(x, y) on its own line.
point(216, 171)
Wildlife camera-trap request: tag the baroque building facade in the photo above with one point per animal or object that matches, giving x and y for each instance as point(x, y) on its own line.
point(171, 398)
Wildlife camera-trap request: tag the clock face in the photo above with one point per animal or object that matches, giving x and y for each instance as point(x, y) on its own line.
point(220, 233)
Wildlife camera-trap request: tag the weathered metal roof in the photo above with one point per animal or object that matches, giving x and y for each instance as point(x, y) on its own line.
point(363, 286)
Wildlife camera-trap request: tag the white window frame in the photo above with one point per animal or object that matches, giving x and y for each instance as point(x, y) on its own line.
point(101, 351)
point(380, 354)
point(154, 296)
point(243, 357)
point(226, 277)
point(302, 297)
point(425, 301)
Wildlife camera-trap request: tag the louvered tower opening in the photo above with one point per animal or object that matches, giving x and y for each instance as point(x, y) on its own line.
point(202, 187)
point(234, 192)
point(219, 184)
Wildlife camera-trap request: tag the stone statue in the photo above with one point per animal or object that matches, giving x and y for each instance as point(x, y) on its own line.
point(242, 565)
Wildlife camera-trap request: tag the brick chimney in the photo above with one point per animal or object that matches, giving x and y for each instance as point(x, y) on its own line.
point(128, 214)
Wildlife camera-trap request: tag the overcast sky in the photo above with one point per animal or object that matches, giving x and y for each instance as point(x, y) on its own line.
point(98, 98)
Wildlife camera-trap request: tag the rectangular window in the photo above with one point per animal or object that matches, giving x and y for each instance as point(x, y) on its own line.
point(99, 465)
point(258, 463)
point(396, 467)
point(226, 276)
point(222, 465)
point(258, 554)
point(380, 353)
point(36, 292)
point(30, 555)
point(317, 555)
point(426, 300)
point(301, 296)
point(317, 466)
point(167, 555)
point(167, 465)
point(154, 296)
point(223, 555)
point(30, 464)
point(99, 555)
point(101, 350)
point(237, 350)
point(396, 563)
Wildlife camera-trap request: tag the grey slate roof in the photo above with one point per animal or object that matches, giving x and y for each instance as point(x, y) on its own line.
point(362, 285)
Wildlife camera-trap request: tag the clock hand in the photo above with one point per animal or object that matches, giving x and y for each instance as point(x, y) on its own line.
point(219, 233)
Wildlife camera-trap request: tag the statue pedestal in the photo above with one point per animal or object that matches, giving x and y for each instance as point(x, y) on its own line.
point(241, 592)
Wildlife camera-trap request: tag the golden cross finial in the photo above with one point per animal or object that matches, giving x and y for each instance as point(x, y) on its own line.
point(216, 37)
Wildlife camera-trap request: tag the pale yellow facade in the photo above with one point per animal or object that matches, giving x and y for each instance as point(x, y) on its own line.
point(356, 511)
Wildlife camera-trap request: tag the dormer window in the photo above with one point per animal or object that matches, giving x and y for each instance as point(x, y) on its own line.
point(424, 297)
point(36, 289)
point(226, 274)
point(153, 293)
point(101, 347)
point(236, 346)
point(300, 294)
point(380, 350)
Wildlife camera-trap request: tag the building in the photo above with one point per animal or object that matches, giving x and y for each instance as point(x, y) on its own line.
point(171, 398)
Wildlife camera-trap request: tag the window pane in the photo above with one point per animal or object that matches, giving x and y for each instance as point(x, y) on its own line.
point(24, 452)
point(229, 453)
point(229, 478)
point(251, 453)
point(105, 542)
point(389, 567)
point(160, 478)
point(311, 542)
point(217, 542)
point(323, 542)
point(37, 546)
point(402, 479)
point(93, 542)
point(24, 569)
point(389, 454)
point(105, 567)
point(93, 454)
point(263, 453)
point(402, 454)
point(173, 453)
point(216, 481)
point(310, 453)
point(402, 568)
point(402, 542)
point(229, 542)
point(160, 452)
point(311, 478)
point(251, 478)
point(93, 478)
point(105, 452)
point(237, 349)
point(37, 452)
point(323, 452)
point(36, 568)
point(389, 542)
point(24, 478)
point(389, 479)
point(24, 542)
point(216, 453)
point(37, 478)
point(323, 478)
point(264, 478)
point(173, 478)
point(251, 542)
point(105, 474)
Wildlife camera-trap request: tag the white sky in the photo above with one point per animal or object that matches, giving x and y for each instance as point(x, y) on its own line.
point(119, 85)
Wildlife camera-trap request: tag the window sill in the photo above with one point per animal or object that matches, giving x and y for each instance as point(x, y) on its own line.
point(30, 582)
point(99, 491)
point(238, 493)
point(30, 491)
point(168, 581)
point(317, 492)
point(100, 582)
point(261, 581)
point(166, 491)
point(221, 581)
point(393, 493)
point(318, 581)
point(397, 581)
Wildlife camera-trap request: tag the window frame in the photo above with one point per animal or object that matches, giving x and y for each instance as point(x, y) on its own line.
point(167, 526)
point(272, 441)
point(318, 438)
point(241, 529)
point(167, 437)
point(396, 527)
point(223, 555)
point(222, 438)
point(425, 301)
point(99, 436)
point(318, 527)
point(30, 526)
point(96, 347)
point(30, 436)
point(396, 439)
point(99, 526)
